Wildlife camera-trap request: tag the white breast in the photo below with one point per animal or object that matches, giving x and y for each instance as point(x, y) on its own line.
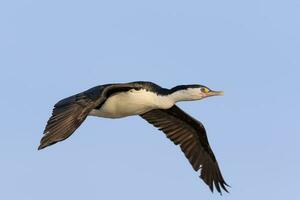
point(133, 102)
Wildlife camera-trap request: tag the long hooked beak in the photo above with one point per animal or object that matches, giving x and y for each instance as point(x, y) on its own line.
point(215, 93)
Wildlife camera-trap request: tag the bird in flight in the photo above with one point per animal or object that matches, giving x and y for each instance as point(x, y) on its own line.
point(153, 103)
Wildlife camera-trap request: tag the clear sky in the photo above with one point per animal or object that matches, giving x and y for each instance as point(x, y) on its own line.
point(52, 49)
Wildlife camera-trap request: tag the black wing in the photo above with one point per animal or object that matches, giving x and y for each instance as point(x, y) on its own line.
point(190, 134)
point(67, 116)
point(69, 113)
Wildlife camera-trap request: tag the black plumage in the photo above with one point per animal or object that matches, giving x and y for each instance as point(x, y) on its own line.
point(190, 135)
point(179, 127)
point(69, 113)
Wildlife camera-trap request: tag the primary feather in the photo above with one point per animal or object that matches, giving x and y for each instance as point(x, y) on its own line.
point(154, 104)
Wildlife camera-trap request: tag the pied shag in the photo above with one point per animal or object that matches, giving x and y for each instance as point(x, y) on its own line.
point(153, 103)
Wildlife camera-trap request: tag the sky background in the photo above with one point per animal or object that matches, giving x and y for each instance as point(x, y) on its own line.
point(50, 50)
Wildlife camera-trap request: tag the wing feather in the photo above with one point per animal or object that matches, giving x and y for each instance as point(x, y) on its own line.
point(190, 135)
point(67, 116)
point(69, 113)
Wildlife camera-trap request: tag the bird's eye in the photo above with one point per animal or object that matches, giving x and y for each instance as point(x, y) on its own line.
point(204, 90)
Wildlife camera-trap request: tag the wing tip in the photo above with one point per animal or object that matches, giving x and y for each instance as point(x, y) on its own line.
point(219, 185)
point(41, 146)
point(219, 190)
point(46, 141)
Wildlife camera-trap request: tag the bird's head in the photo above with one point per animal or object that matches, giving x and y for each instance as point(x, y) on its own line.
point(193, 92)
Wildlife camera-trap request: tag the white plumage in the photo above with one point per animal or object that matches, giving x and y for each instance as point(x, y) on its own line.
point(133, 102)
point(154, 104)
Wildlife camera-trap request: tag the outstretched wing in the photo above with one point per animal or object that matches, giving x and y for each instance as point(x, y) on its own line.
point(67, 116)
point(69, 113)
point(190, 134)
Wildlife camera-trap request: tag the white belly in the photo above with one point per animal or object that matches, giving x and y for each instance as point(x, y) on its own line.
point(132, 103)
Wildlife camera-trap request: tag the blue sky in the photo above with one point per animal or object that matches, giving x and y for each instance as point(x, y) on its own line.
point(52, 49)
